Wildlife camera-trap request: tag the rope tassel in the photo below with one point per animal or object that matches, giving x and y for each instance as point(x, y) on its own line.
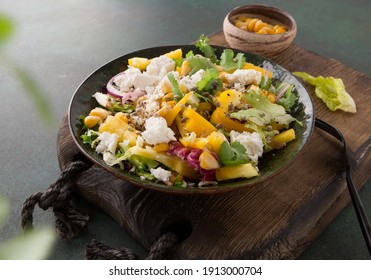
point(69, 221)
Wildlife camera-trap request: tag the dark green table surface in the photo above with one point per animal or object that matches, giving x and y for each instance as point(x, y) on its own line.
point(59, 43)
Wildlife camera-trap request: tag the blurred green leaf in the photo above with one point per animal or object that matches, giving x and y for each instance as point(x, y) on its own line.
point(36, 93)
point(6, 28)
point(32, 245)
point(4, 209)
point(29, 84)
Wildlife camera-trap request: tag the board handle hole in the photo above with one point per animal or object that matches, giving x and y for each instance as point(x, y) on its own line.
point(181, 227)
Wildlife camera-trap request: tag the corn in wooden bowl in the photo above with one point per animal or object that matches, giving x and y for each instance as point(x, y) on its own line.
point(259, 29)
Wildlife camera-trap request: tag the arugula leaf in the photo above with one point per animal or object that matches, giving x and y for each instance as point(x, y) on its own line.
point(198, 62)
point(203, 45)
point(175, 87)
point(210, 81)
point(232, 154)
point(229, 62)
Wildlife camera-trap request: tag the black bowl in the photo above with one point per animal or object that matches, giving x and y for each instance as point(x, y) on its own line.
point(271, 164)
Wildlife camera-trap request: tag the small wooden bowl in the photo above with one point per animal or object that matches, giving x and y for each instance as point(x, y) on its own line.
point(265, 45)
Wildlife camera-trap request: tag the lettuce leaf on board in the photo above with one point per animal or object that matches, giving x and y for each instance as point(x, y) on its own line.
point(331, 90)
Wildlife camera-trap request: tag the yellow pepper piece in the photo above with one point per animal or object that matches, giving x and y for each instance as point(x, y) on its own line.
point(196, 123)
point(245, 170)
point(173, 162)
point(170, 116)
point(257, 68)
point(139, 62)
point(226, 99)
point(180, 125)
point(285, 136)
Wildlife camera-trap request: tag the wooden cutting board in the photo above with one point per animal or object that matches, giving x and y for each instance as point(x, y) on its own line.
point(275, 220)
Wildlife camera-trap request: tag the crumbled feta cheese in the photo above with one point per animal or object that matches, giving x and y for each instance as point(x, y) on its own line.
point(244, 77)
point(160, 66)
point(157, 131)
point(161, 174)
point(152, 105)
point(108, 142)
point(190, 82)
point(124, 80)
point(143, 80)
point(251, 141)
point(134, 78)
point(238, 87)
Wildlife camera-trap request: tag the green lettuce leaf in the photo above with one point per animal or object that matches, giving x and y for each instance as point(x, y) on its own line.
point(259, 101)
point(198, 62)
point(288, 100)
point(331, 91)
point(263, 111)
point(210, 81)
point(203, 45)
point(232, 154)
point(229, 62)
point(256, 116)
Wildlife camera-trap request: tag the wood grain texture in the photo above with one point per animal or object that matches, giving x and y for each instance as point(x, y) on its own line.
point(275, 220)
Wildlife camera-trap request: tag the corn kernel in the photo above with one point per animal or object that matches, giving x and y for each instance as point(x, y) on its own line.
point(91, 121)
point(100, 112)
point(163, 147)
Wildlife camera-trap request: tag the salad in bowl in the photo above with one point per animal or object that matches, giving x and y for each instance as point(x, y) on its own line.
point(199, 117)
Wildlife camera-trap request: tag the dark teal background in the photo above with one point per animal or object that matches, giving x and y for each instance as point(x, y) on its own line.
point(61, 42)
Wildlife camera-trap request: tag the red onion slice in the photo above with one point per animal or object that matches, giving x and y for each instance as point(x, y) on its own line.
point(282, 92)
point(111, 89)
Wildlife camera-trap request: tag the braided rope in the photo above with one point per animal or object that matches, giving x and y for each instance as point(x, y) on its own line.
point(69, 222)
point(162, 249)
point(97, 249)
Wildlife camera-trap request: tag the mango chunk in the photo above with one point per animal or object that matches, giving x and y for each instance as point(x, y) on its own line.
point(246, 170)
point(176, 54)
point(257, 68)
point(139, 62)
point(116, 124)
point(215, 140)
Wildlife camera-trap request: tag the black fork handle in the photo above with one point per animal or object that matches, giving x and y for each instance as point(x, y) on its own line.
point(357, 203)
